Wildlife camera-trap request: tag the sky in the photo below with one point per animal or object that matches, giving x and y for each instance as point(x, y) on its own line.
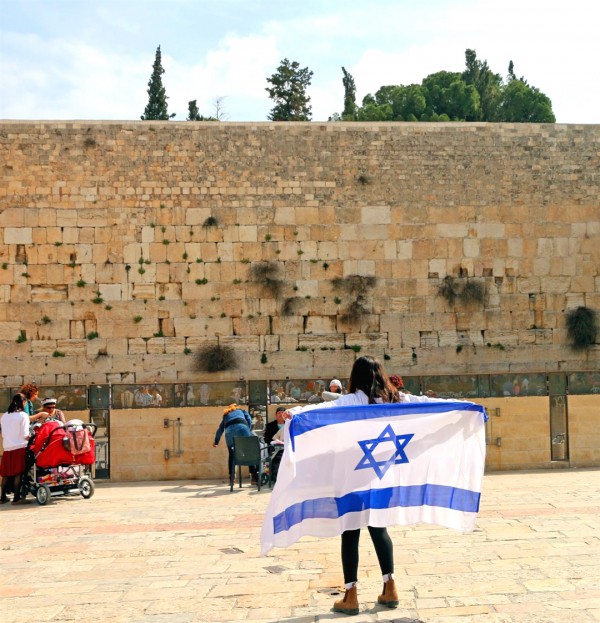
point(92, 59)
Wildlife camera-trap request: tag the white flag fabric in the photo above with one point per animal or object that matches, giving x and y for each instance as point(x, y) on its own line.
point(377, 465)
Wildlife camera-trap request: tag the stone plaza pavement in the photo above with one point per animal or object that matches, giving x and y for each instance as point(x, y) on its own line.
point(188, 551)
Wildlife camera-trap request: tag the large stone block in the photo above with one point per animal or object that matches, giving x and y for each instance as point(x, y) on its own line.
point(18, 235)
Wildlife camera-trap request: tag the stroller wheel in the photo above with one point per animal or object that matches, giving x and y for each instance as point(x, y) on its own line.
point(86, 487)
point(43, 495)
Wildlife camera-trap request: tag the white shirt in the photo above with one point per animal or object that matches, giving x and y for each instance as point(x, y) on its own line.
point(359, 398)
point(15, 430)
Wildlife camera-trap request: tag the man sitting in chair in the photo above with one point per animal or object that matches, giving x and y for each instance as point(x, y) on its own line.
point(273, 431)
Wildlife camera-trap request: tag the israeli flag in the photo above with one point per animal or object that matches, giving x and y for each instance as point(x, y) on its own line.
point(377, 465)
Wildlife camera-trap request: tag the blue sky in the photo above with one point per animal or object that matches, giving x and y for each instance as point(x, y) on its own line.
point(92, 59)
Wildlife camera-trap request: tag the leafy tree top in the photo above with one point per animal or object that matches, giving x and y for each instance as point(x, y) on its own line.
point(288, 91)
point(476, 94)
point(156, 108)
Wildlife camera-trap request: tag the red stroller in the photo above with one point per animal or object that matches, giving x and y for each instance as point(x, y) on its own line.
point(59, 460)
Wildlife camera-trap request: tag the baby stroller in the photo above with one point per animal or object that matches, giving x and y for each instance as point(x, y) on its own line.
point(59, 459)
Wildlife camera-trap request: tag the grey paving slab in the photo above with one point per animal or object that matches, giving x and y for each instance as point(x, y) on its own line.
point(188, 552)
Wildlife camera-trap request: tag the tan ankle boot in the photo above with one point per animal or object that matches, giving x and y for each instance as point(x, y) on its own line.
point(348, 605)
point(389, 597)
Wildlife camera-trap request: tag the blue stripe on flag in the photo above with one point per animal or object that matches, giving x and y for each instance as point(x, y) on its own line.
point(317, 418)
point(390, 497)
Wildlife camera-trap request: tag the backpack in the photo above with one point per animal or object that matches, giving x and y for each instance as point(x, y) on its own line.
point(76, 439)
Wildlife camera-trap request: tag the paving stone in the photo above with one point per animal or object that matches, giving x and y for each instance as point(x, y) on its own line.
point(188, 552)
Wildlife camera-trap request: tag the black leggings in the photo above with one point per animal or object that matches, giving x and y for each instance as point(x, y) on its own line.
point(384, 548)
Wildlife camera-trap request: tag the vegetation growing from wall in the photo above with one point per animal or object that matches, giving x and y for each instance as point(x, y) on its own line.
point(357, 287)
point(215, 358)
point(582, 327)
point(267, 274)
point(466, 291)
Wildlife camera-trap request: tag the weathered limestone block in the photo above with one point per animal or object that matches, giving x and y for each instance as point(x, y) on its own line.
point(133, 251)
point(7, 275)
point(137, 346)
point(9, 331)
point(57, 328)
point(250, 326)
point(321, 341)
point(158, 253)
point(111, 292)
point(188, 327)
point(175, 251)
point(232, 271)
point(368, 341)
point(18, 294)
point(144, 291)
point(71, 347)
point(18, 235)
point(269, 307)
point(212, 272)
point(241, 343)
point(171, 291)
point(502, 337)
point(248, 233)
point(584, 283)
point(529, 285)
point(76, 329)
point(288, 342)
point(287, 325)
point(330, 362)
point(156, 346)
point(271, 343)
point(12, 218)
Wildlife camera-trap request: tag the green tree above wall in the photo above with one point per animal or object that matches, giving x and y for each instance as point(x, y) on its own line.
point(156, 108)
point(476, 94)
point(194, 113)
point(288, 91)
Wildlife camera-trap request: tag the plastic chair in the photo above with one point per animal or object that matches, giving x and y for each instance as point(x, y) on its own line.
point(247, 451)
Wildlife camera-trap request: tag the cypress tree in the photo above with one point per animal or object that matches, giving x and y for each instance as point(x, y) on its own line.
point(156, 109)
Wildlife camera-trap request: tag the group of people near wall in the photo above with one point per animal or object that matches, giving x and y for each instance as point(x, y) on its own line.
point(15, 426)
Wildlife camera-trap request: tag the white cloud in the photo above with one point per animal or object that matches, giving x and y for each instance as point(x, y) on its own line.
point(101, 71)
point(62, 79)
point(236, 69)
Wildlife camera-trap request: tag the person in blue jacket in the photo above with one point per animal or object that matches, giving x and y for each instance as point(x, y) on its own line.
point(236, 422)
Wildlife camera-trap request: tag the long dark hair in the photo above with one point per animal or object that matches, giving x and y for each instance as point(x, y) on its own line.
point(17, 403)
point(369, 376)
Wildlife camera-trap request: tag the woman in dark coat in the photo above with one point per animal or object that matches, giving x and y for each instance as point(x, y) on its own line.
point(236, 422)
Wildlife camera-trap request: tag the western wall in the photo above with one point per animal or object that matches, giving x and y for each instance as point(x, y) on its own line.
point(127, 246)
point(453, 252)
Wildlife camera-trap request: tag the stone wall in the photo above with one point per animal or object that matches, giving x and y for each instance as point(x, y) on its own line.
point(124, 247)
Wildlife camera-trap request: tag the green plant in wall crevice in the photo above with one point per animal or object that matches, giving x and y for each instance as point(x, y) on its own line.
point(357, 287)
point(582, 327)
point(211, 221)
point(215, 358)
point(267, 274)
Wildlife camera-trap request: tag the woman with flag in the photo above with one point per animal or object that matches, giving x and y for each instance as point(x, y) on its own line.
point(369, 459)
point(369, 384)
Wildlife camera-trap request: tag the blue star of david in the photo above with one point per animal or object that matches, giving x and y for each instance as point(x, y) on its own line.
point(398, 456)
